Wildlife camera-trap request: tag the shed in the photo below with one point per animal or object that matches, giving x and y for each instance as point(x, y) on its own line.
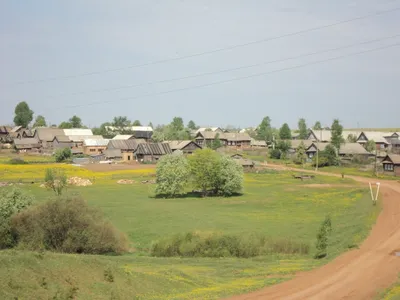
point(61, 141)
point(126, 147)
point(46, 135)
point(245, 163)
point(258, 144)
point(391, 164)
point(113, 154)
point(27, 144)
point(150, 152)
point(94, 146)
point(187, 147)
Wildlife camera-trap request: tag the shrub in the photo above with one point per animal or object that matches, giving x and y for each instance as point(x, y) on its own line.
point(67, 225)
point(172, 174)
point(11, 202)
point(56, 180)
point(224, 245)
point(62, 154)
point(17, 161)
point(230, 177)
point(322, 237)
point(275, 154)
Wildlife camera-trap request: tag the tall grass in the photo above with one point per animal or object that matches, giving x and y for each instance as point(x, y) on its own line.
point(194, 244)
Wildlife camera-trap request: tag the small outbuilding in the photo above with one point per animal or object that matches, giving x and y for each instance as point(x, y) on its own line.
point(151, 152)
point(391, 164)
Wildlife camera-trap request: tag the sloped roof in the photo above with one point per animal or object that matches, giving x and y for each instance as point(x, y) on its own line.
point(78, 131)
point(376, 136)
point(3, 129)
point(353, 149)
point(258, 143)
point(48, 134)
point(296, 143)
point(179, 145)
point(123, 137)
point(62, 139)
point(244, 162)
point(96, 142)
point(394, 158)
point(126, 145)
point(326, 135)
point(229, 136)
point(319, 146)
point(213, 129)
point(16, 129)
point(81, 138)
point(131, 128)
point(26, 143)
point(153, 149)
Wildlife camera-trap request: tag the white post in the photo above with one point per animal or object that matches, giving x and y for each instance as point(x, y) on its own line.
point(372, 194)
point(377, 191)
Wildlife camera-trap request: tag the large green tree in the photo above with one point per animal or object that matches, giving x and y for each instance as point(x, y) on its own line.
point(192, 125)
point(65, 125)
point(120, 122)
point(370, 146)
point(172, 174)
point(264, 130)
point(40, 121)
point(336, 132)
point(230, 178)
point(76, 122)
point(177, 124)
point(301, 156)
point(23, 114)
point(284, 132)
point(136, 123)
point(303, 131)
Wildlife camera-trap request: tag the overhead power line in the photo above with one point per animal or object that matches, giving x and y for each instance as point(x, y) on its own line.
point(226, 70)
point(236, 78)
point(206, 52)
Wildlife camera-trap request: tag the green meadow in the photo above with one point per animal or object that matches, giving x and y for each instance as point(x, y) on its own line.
point(272, 203)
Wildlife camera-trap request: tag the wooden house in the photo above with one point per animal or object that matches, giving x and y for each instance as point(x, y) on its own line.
point(391, 164)
point(151, 152)
point(245, 163)
point(229, 139)
point(45, 136)
point(138, 132)
point(258, 144)
point(61, 142)
point(126, 147)
point(27, 145)
point(4, 131)
point(187, 147)
point(94, 146)
point(378, 137)
point(325, 136)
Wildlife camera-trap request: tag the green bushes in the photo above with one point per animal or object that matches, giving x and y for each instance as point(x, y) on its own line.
point(56, 180)
point(66, 225)
point(223, 245)
point(17, 161)
point(11, 202)
point(62, 154)
point(322, 238)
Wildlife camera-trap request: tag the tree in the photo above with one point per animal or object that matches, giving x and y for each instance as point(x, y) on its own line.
point(192, 125)
point(75, 122)
point(322, 237)
point(370, 146)
point(23, 114)
point(150, 125)
point(283, 147)
point(327, 157)
point(317, 126)
point(301, 155)
point(216, 143)
point(275, 154)
point(303, 131)
point(56, 180)
point(284, 132)
point(62, 154)
point(230, 178)
point(120, 123)
point(177, 124)
point(172, 174)
point(264, 131)
point(65, 125)
point(336, 131)
point(136, 123)
point(352, 138)
point(40, 121)
point(205, 168)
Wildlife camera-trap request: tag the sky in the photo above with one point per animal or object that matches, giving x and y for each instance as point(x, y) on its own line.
point(99, 59)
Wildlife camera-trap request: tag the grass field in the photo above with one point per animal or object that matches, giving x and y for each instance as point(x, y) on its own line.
point(273, 203)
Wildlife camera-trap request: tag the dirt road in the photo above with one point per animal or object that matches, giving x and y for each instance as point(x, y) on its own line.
point(357, 274)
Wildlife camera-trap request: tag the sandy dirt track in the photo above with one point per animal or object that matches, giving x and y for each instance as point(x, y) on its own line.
point(357, 274)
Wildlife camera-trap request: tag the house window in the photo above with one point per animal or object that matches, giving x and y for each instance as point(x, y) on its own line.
point(92, 150)
point(382, 146)
point(388, 167)
point(129, 157)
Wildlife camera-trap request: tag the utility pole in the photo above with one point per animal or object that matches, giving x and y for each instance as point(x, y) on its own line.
point(376, 161)
point(318, 141)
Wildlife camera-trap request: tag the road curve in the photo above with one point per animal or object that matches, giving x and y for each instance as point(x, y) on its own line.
point(356, 274)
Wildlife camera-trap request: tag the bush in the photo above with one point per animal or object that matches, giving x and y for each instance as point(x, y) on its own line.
point(11, 202)
point(322, 238)
point(62, 154)
point(275, 154)
point(67, 225)
point(223, 245)
point(56, 180)
point(17, 161)
point(172, 174)
point(230, 178)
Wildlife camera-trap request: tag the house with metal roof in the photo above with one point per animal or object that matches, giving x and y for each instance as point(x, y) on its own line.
point(187, 147)
point(139, 132)
point(151, 152)
point(95, 146)
point(126, 147)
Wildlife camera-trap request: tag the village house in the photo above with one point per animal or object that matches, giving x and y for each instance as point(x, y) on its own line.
point(187, 147)
point(151, 152)
point(376, 136)
point(346, 151)
point(61, 142)
point(4, 134)
point(258, 144)
point(325, 136)
point(138, 132)
point(45, 136)
point(25, 133)
point(245, 163)
point(27, 145)
point(123, 137)
point(94, 146)
point(391, 164)
point(125, 147)
point(230, 139)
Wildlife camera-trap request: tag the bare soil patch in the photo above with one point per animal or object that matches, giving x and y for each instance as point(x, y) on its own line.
point(116, 167)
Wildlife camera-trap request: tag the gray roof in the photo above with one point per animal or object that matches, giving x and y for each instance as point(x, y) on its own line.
point(112, 153)
point(179, 145)
point(258, 143)
point(296, 143)
point(153, 149)
point(326, 135)
point(26, 143)
point(392, 158)
point(353, 149)
point(96, 142)
point(229, 136)
point(126, 145)
point(81, 138)
point(376, 136)
point(48, 134)
point(62, 139)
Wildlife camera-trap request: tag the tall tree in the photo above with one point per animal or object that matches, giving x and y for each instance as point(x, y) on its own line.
point(150, 125)
point(336, 131)
point(40, 121)
point(317, 126)
point(23, 114)
point(192, 125)
point(370, 146)
point(283, 147)
point(177, 124)
point(301, 154)
point(264, 131)
point(120, 122)
point(136, 123)
point(76, 122)
point(216, 143)
point(65, 125)
point(284, 132)
point(303, 131)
